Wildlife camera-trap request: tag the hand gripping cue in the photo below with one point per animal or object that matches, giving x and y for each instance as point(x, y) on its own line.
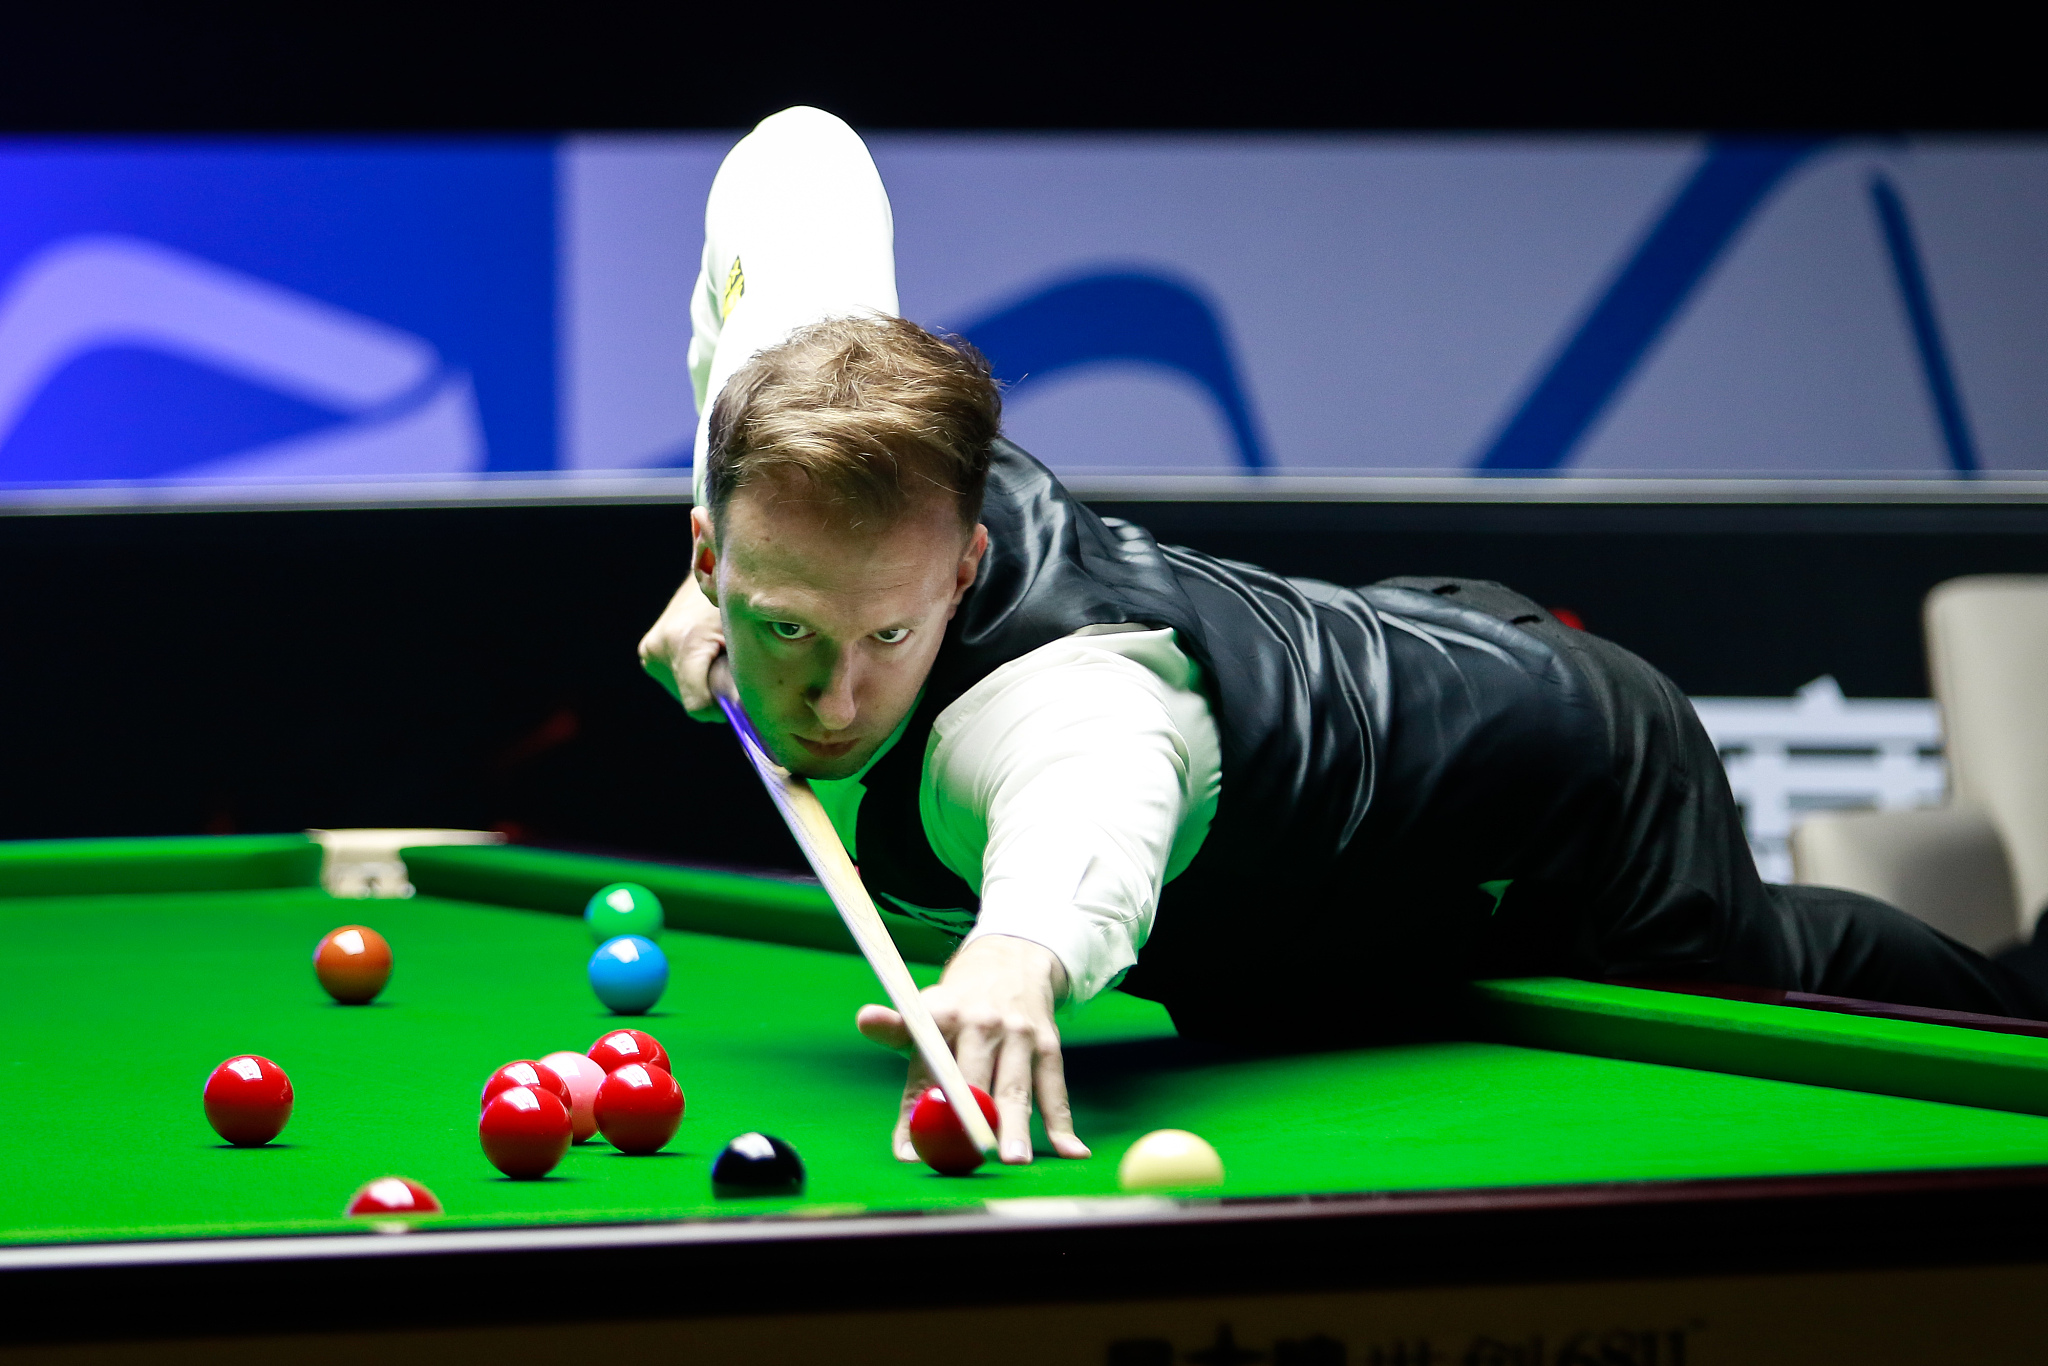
point(806, 818)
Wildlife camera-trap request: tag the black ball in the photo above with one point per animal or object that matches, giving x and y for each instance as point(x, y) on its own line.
point(757, 1164)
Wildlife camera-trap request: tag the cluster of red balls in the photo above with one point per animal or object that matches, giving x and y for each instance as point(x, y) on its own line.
point(532, 1111)
point(623, 1088)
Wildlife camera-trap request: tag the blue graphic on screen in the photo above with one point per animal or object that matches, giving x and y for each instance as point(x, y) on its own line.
point(1652, 287)
point(1121, 316)
point(1918, 302)
point(275, 309)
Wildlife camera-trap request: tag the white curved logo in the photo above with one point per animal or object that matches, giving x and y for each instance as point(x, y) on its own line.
point(407, 413)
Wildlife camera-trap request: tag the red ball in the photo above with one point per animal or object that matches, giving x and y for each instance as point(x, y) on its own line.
point(622, 1046)
point(638, 1108)
point(525, 1131)
point(248, 1100)
point(353, 963)
point(538, 1075)
point(392, 1195)
point(936, 1133)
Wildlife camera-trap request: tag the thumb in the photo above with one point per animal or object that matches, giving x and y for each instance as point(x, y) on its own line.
point(881, 1025)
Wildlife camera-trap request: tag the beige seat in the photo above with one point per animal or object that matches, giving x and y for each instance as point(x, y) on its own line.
point(1976, 868)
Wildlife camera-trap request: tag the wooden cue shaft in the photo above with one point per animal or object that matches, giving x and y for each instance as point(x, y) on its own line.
point(806, 818)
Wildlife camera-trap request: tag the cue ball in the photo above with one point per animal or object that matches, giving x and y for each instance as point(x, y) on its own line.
point(622, 908)
point(353, 963)
point(248, 1099)
point(525, 1130)
point(622, 1046)
point(638, 1108)
point(392, 1195)
point(538, 1075)
point(936, 1133)
point(628, 974)
point(582, 1077)
point(1169, 1159)
point(757, 1164)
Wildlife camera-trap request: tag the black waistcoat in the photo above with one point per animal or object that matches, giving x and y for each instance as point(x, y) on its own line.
point(1385, 750)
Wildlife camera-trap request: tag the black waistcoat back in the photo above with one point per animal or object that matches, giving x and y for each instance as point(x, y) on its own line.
point(1384, 750)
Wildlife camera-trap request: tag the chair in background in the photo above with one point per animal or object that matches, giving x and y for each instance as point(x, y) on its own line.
point(1975, 868)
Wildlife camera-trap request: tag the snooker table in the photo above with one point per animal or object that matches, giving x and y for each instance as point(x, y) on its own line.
point(1589, 1173)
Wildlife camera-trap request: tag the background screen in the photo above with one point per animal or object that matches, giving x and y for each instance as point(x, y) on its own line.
point(269, 312)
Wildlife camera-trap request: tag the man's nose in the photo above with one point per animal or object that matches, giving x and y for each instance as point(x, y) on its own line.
point(833, 701)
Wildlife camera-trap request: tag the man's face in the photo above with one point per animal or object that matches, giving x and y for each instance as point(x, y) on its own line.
point(831, 629)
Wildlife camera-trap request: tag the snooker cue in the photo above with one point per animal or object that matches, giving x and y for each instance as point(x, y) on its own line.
point(805, 816)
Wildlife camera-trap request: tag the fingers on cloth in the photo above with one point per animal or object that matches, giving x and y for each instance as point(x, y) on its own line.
point(1010, 1058)
point(1049, 1079)
point(915, 1084)
point(1016, 1069)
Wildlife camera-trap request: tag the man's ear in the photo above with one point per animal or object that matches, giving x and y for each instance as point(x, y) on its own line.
point(704, 553)
point(970, 565)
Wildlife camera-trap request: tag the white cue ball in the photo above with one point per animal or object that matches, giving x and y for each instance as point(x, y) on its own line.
point(1169, 1159)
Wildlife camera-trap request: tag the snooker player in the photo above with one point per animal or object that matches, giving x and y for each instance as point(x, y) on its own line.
point(1285, 809)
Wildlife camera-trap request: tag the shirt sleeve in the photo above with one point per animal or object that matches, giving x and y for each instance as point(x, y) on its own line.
point(1067, 788)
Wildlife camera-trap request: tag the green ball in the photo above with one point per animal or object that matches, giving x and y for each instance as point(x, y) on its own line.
point(622, 908)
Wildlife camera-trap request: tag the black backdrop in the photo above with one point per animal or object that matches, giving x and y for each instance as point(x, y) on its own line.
point(432, 64)
point(169, 672)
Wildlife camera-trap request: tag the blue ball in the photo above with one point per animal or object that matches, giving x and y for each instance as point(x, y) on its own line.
point(628, 974)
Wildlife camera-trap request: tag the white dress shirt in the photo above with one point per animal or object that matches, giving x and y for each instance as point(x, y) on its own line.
point(1066, 788)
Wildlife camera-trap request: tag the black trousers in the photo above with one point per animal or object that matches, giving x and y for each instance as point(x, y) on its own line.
point(1682, 898)
point(1839, 943)
point(1617, 851)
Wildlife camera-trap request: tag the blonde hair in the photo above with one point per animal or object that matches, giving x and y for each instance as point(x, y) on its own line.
point(860, 413)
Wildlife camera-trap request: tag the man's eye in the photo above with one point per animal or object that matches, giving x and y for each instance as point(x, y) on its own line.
point(893, 636)
point(788, 630)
